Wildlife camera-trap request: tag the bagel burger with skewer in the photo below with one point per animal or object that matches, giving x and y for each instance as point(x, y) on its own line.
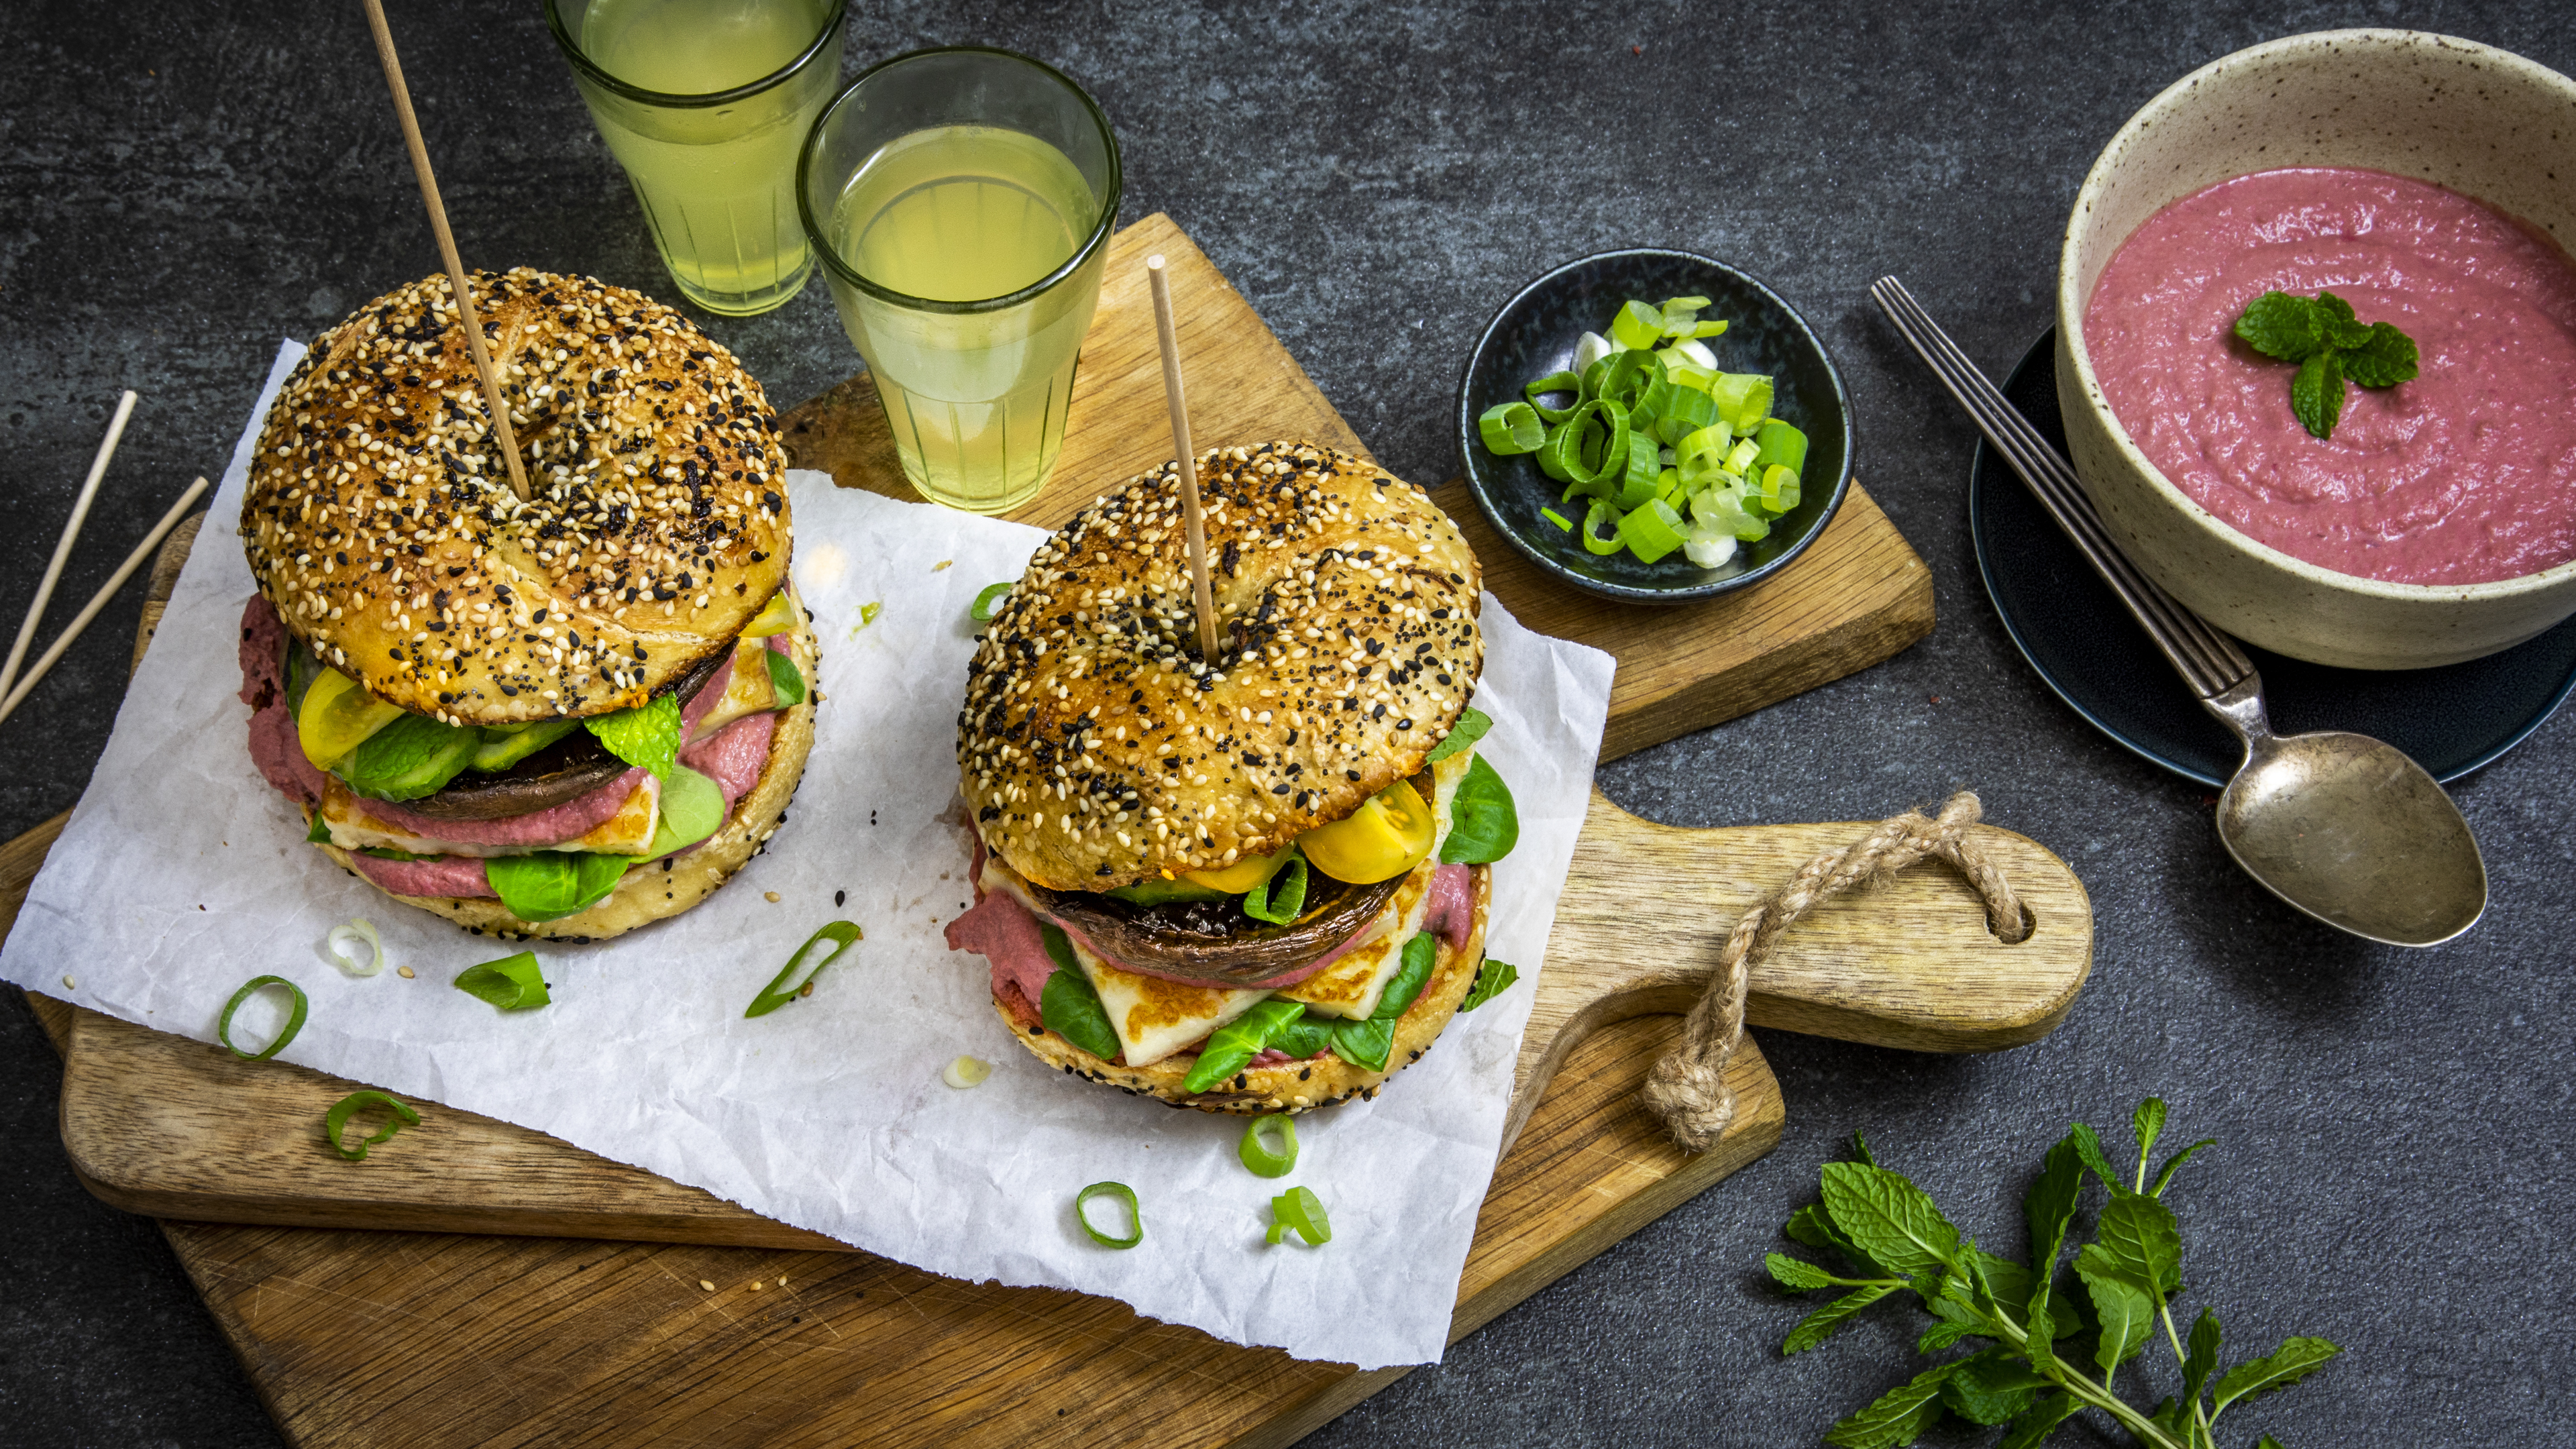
point(1254, 884)
point(564, 717)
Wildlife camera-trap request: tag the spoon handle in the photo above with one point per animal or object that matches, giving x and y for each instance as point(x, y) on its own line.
point(2208, 660)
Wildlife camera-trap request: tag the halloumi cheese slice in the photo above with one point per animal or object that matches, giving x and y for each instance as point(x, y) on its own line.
point(628, 832)
point(1351, 986)
point(1154, 1017)
point(748, 690)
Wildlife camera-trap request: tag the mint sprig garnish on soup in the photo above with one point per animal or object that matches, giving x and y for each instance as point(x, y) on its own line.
point(2331, 346)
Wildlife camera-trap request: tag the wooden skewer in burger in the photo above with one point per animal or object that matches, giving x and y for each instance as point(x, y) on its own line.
point(1255, 883)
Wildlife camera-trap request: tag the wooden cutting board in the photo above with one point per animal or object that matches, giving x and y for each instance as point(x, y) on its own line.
point(407, 1337)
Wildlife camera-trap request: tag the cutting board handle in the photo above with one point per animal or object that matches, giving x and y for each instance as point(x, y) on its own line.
point(1909, 963)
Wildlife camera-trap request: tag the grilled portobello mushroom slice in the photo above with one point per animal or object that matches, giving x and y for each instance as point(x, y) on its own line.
point(556, 775)
point(1214, 941)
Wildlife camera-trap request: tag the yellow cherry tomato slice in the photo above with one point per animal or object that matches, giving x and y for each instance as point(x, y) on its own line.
point(1243, 875)
point(337, 717)
point(1388, 835)
point(777, 617)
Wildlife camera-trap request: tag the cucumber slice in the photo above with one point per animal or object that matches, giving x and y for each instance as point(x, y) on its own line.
point(411, 757)
point(504, 746)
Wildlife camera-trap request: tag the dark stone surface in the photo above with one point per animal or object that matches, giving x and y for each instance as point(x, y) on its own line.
point(184, 185)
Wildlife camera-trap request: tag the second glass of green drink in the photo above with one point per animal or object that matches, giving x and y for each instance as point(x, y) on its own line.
point(961, 200)
point(704, 102)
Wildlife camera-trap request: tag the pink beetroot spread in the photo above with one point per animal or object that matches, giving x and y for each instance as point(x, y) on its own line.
point(2464, 475)
point(732, 757)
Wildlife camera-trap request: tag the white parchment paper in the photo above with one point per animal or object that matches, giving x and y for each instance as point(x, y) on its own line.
point(183, 874)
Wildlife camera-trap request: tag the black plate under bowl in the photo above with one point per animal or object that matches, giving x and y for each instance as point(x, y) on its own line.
point(2072, 629)
point(1534, 335)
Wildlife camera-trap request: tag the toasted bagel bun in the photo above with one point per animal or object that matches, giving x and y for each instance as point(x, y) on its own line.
point(666, 887)
point(1096, 749)
point(1291, 1087)
point(380, 521)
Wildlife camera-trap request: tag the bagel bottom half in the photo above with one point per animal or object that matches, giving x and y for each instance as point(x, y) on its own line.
point(1289, 1087)
point(666, 887)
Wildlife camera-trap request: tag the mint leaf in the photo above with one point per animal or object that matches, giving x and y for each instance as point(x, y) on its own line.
point(1810, 1226)
point(1947, 1332)
point(2041, 1421)
point(2316, 394)
point(1991, 1388)
point(2336, 326)
point(2139, 1233)
point(2146, 1124)
point(1818, 1326)
point(2174, 1164)
point(2049, 1206)
point(2088, 1148)
point(2202, 1359)
point(2127, 1314)
point(2277, 324)
point(2294, 1360)
point(1898, 1416)
point(1891, 1219)
point(1860, 1149)
point(1796, 1274)
point(2383, 359)
point(647, 736)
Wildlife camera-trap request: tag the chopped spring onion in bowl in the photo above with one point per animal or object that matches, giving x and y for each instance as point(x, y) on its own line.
point(1654, 426)
point(1659, 405)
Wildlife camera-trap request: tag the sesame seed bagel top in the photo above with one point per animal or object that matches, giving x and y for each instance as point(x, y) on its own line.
point(1097, 749)
point(380, 521)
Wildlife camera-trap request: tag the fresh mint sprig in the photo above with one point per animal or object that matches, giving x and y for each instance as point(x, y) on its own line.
point(2049, 1351)
point(2331, 346)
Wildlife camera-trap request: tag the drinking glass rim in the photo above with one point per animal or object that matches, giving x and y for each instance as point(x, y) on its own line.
point(593, 70)
point(831, 254)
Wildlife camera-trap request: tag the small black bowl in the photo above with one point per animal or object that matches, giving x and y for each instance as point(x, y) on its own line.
point(1534, 335)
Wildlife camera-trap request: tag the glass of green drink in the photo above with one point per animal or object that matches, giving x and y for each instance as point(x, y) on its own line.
point(962, 201)
point(704, 102)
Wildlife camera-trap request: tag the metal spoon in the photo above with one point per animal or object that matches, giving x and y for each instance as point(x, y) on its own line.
point(2342, 826)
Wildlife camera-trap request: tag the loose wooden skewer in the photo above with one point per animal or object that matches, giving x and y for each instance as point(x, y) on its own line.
point(1180, 410)
point(63, 547)
point(98, 601)
point(447, 247)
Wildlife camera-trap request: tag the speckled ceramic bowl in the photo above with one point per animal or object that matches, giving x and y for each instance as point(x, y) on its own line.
point(1534, 335)
point(2477, 120)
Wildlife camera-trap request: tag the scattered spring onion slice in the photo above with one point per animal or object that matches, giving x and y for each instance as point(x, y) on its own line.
point(1492, 980)
point(1264, 1160)
point(338, 1117)
point(1125, 1194)
point(966, 1072)
point(987, 601)
point(1300, 1209)
point(1559, 519)
point(294, 1018)
point(361, 930)
point(1511, 428)
point(793, 976)
point(513, 983)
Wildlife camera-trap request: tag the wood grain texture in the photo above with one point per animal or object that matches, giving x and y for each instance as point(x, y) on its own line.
point(155, 1123)
point(1858, 595)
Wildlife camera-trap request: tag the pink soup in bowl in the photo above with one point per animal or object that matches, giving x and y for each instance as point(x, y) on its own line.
point(2426, 182)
